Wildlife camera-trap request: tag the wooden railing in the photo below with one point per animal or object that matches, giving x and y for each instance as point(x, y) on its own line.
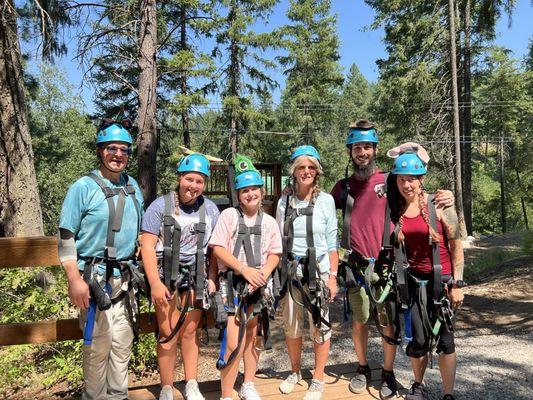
point(42, 252)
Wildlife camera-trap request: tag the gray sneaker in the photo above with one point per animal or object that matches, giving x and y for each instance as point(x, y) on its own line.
point(415, 392)
point(389, 386)
point(359, 382)
point(315, 391)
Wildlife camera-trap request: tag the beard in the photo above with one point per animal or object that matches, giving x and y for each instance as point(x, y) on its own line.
point(364, 172)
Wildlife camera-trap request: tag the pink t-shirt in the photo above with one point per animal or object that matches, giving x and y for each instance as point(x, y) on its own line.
point(368, 213)
point(225, 235)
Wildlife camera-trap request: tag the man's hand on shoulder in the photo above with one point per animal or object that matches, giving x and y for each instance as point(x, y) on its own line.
point(444, 198)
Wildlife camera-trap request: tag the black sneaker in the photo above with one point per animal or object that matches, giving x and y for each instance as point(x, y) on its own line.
point(448, 397)
point(359, 382)
point(415, 392)
point(389, 387)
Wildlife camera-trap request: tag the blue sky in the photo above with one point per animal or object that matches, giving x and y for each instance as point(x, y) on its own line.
point(358, 44)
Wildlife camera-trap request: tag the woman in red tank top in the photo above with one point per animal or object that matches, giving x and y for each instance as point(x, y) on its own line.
point(409, 211)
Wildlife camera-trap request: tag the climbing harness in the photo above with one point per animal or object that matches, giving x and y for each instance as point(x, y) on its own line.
point(178, 277)
point(100, 289)
point(309, 285)
point(413, 289)
point(239, 301)
point(375, 276)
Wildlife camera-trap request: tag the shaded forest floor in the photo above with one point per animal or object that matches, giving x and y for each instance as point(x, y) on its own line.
point(493, 335)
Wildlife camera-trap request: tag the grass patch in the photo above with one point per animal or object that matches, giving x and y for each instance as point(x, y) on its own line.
point(527, 243)
point(485, 263)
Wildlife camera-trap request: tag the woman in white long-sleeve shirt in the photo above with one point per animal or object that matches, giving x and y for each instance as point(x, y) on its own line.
point(307, 203)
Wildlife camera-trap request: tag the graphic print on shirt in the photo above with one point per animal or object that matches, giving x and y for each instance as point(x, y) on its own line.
point(188, 240)
point(380, 190)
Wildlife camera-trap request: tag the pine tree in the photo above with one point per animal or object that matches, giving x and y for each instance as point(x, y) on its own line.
point(244, 69)
point(314, 79)
point(20, 209)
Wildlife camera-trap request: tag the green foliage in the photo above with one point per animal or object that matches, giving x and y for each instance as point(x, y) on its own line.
point(45, 20)
point(22, 300)
point(16, 369)
point(527, 243)
point(501, 88)
point(63, 141)
point(144, 357)
point(486, 262)
point(314, 81)
point(243, 74)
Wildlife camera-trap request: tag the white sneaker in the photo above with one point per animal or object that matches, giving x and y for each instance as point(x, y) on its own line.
point(167, 393)
point(248, 392)
point(315, 390)
point(192, 391)
point(288, 384)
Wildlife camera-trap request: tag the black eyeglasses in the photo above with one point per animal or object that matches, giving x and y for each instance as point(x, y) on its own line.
point(114, 150)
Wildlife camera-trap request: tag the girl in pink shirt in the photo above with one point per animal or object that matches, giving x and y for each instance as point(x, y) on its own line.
point(247, 243)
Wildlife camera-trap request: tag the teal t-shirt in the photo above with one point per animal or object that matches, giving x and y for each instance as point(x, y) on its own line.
point(324, 227)
point(85, 212)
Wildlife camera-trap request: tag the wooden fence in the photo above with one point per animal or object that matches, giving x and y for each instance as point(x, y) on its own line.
point(32, 252)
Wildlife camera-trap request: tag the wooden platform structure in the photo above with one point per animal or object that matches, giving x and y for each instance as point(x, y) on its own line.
point(218, 189)
point(267, 382)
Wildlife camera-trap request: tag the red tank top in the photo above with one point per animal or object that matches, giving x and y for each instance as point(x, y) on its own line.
point(419, 252)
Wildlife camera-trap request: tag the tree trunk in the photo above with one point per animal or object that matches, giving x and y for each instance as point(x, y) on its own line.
point(456, 130)
point(502, 186)
point(20, 207)
point(234, 72)
point(147, 140)
point(185, 110)
point(522, 200)
point(467, 120)
point(233, 84)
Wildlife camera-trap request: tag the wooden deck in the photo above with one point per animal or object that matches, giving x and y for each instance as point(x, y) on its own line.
point(267, 382)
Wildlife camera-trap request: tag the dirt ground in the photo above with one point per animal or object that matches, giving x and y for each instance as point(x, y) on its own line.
point(497, 301)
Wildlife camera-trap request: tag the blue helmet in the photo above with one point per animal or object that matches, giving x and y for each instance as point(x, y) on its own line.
point(248, 178)
point(408, 164)
point(305, 150)
point(113, 133)
point(361, 135)
point(194, 162)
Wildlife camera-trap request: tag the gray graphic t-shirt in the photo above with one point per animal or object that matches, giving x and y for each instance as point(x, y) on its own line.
point(187, 217)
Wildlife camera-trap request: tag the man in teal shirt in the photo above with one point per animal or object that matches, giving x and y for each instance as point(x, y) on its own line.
point(98, 229)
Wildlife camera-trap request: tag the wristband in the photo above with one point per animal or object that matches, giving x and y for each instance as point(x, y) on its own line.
point(242, 269)
point(333, 273)
point(459, 284)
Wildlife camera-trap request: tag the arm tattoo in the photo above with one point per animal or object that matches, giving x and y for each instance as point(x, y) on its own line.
point(457, 258)
point(451, 223)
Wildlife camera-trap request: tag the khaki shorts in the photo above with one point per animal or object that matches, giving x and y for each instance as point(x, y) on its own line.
point(360, 307)
point(293, 317)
